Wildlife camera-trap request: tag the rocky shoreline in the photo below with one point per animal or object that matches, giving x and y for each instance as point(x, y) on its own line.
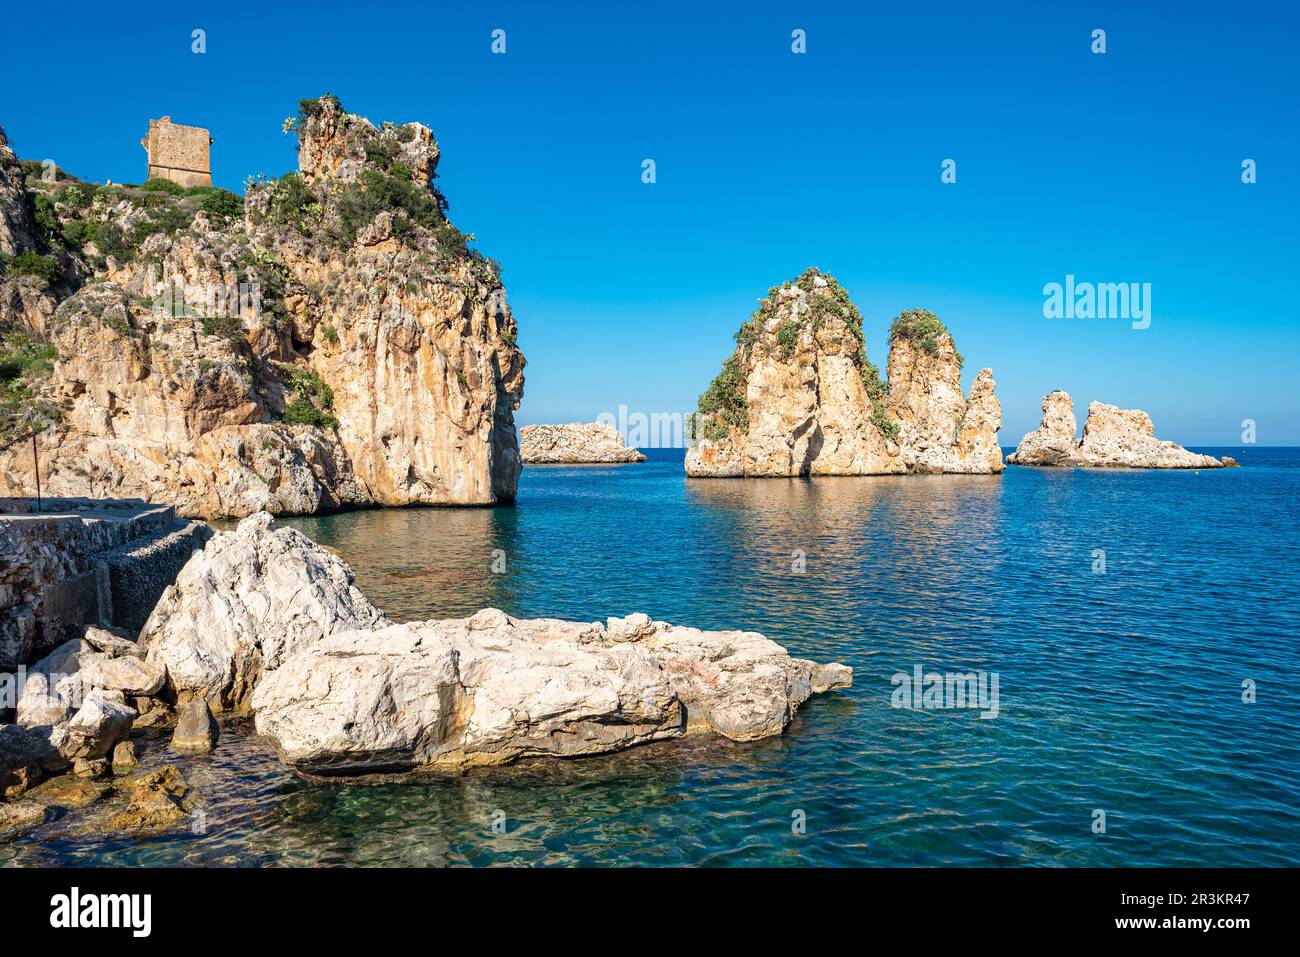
point(263, 623)
point(577, 443)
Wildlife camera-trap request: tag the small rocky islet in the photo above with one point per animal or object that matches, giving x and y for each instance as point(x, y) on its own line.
point(800, 396)
point(577, 443)
point(1112, 438)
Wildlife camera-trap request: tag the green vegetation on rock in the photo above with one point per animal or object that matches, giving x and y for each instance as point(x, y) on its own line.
point(312, 400)
point(723, 402)
point(923, 329)
point(24, 362)
point(45, 268)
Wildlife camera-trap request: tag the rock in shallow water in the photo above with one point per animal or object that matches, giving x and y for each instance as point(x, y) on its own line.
point(244, 603)
point(19, 817)
point(339, 689)
point(159, 801)
point(196, 730)
point(490, 688)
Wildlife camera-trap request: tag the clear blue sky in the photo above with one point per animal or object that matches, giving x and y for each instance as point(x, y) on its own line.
point(1120, 167)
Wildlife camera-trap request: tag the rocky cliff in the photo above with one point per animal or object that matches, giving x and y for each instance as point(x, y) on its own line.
point(329, 340)
point(799, 396)
point(596, 443)
point(1112, 438)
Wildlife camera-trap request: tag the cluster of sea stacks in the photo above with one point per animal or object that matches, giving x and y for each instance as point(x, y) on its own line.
point(799, 396)
point(263, 621)
point(373, 361)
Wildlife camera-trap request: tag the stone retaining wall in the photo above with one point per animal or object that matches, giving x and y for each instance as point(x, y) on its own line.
point(91, 563)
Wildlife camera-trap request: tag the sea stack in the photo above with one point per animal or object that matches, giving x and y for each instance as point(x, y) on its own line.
point(799, 396)
point(578, 443)
point(1112, 438)
point(361, 353)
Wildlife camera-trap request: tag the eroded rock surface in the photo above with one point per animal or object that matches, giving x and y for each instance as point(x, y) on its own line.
point(1112, 438)
point(244, 605)
point(596, 443)
point(263, 619)
point(369, 357)
point(800, 396)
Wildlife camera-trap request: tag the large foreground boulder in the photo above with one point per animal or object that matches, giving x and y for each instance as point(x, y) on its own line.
point(243, 604)
point(1112, 438)
point(490, 688)
point(264, 619)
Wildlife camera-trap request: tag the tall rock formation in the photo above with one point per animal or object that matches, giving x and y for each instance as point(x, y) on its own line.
point(799, 396)
point(1112, 438)
point(330, 341)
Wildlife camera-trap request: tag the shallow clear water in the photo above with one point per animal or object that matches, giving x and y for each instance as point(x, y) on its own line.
point(1119, 691)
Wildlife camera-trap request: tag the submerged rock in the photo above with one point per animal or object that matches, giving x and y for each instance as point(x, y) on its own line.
point(1112, 438)
point(799, 396)
point(19, 817)
point(595, 443)
point(159, 800)
point(265, 619)
point(69, 791)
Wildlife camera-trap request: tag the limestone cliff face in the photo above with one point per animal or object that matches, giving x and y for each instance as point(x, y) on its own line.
point(364, 355)
point(800, 397)
point(1112, 438)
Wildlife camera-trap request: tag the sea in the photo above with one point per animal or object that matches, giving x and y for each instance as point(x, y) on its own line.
point(1135, 635)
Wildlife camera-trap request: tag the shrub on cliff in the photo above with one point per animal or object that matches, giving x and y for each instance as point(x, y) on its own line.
point(923, 329)
point(110, 240)
point(313, 398)
point(33, 264)
point(221, 205)
point(302, 412)
point(290, 202)
point(375, 192)
point(24, 361)
point(723, 402)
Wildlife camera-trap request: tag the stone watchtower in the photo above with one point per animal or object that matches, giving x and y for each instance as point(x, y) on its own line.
point(178, 153)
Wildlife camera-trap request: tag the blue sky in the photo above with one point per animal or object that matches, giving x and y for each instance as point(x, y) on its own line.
point(1114, 168)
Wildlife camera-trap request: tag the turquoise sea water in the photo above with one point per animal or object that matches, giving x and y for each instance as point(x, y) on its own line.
point(1118, 691)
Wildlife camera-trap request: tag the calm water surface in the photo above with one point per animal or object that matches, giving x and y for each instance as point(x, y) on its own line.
point(1119, 691)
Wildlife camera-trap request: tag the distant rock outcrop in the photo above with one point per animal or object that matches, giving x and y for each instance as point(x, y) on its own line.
point(595, 443)
point(1112, 438)
point(329, 340)
point(799, 396)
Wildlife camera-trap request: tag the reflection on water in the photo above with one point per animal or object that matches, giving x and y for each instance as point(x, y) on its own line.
point(1118, 691)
